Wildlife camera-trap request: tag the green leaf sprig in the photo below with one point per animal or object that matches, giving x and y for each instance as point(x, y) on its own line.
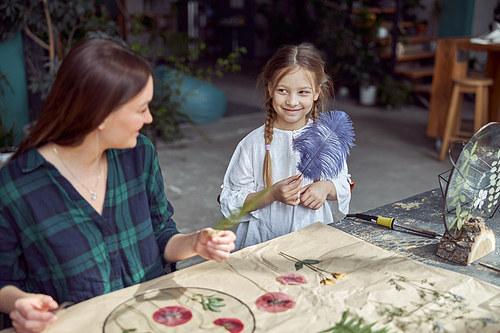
point(209, 302)
point(352, 326)
point(249, 206)
point(309, 263)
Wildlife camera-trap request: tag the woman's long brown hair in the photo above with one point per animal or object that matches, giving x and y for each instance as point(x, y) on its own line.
point(96, 77)
point(291, 58)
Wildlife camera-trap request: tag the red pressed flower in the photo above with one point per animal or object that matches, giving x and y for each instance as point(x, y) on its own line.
point(172, 315)
point(233, 325)
point(275, 302)
point(292, 278)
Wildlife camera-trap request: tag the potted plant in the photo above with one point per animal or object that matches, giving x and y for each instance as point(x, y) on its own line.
point(421, 27)
point(349, 40)
point(393, 93)
point(7, 135)
point(183, 92)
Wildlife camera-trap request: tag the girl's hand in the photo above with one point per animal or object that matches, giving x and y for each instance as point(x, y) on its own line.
point(313, 196)
point(32, 314)
point(287, 191)
point(215, 245)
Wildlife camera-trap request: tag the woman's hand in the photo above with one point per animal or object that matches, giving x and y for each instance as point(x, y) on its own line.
point(314, 195)
point(33, 314)
point(215, 245)
point(288, 190)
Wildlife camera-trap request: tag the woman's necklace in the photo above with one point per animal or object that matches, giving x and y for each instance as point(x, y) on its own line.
point(93, 193)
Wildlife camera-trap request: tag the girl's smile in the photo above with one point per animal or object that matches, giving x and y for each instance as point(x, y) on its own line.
point(293, 98)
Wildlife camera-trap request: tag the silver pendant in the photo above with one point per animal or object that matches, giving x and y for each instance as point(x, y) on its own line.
point(94, 196)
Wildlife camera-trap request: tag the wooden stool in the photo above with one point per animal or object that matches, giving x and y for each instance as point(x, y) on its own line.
point(452, 130)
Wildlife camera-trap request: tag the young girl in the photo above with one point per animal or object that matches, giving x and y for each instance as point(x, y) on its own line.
point(295, 86)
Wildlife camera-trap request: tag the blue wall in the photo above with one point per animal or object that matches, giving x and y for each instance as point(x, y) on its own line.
point(14, 104)
point(456, 18)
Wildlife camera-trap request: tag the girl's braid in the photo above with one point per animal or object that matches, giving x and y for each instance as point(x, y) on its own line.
point(268, 137)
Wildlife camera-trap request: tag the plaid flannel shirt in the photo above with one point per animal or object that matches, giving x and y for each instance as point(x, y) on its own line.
point(53, 242)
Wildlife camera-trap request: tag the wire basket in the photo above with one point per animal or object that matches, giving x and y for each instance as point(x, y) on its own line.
point(443, 179)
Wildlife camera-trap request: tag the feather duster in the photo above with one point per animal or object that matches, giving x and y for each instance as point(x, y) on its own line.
point(324, 145)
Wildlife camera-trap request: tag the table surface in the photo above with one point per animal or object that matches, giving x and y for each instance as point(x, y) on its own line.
point(422, 210)
point(378, 278)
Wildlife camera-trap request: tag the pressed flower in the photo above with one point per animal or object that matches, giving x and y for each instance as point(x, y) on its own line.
point(292, 278)
point(172, 315)
point(310, 263)
point(327, 281)
point(233, 325)
point(275, 302)
point(339, 276)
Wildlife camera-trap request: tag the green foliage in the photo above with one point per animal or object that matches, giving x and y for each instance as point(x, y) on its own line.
point(346, 36)
point(41, 81)
point(353, 326)
point(249, 206)
point(71, 22)
point(209, 302)
point(181, 55)
point(394, 93)
point(15, 15)
point(349, 36)
point(457, 198)
point(300, 264)
point(7, 135)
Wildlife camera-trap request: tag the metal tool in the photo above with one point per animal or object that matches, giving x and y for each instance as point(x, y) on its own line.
point(389, 222)
point(497, 269)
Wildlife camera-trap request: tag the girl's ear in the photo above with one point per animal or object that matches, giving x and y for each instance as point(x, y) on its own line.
point(316, 95)
point(270, 90)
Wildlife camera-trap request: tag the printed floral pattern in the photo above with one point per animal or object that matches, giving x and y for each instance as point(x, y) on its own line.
point(172, 315)
point(292, 279)
point(275, 302)
point(233, 325)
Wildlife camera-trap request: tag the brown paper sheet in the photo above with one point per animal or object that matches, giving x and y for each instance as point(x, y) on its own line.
point(366, 291)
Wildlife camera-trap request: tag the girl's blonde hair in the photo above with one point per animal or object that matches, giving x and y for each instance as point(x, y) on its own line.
point(291, 58)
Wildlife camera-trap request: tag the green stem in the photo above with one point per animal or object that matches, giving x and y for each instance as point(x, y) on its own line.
point(235, 271)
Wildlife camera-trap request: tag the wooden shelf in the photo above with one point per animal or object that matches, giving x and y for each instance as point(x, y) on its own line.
point(423, 88)
point(376, 10)
point(411, 56)
point(407, 40)
point(401, 25)
point(416, 72)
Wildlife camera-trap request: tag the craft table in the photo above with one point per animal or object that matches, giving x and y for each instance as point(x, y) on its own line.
point(422, 210)
point(378, 284)
point(449, 64)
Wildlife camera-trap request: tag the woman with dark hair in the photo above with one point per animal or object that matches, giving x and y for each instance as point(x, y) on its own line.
point(83, 210)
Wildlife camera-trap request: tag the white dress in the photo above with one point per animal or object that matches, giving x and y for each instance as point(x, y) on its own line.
point(244, 175)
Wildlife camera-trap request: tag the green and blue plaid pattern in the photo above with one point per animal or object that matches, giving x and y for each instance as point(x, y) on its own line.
point(53, 242)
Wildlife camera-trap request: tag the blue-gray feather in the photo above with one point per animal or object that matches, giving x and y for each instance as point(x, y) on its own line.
point(324, 144)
